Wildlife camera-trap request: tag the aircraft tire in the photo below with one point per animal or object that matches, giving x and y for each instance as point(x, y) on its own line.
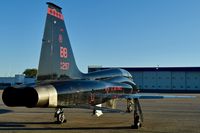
point(137, 123)
point(61, 118)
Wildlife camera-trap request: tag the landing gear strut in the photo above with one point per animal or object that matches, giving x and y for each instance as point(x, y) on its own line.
point(138, 116)
point(59, 115)
point(129, 106)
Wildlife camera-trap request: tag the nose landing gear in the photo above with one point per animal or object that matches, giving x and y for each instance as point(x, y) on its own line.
point(129, 106)
point(137, 115)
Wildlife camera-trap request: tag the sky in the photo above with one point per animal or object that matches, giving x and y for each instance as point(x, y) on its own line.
point(110, 33)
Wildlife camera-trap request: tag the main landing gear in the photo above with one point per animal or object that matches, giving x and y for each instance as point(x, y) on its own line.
point(137, 114)
point(59, 115)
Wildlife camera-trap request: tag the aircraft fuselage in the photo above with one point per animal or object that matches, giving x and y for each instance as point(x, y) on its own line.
point(65, 94)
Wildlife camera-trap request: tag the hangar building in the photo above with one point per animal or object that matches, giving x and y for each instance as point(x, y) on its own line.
point(163, 79)
point(18, 79)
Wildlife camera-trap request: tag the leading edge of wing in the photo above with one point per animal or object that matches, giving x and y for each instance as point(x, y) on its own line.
point(148, 96)
point(156, 96)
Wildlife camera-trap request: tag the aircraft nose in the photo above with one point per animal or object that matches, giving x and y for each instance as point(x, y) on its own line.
point(126, 74)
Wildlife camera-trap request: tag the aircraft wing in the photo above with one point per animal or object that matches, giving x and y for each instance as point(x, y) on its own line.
point(146, 96)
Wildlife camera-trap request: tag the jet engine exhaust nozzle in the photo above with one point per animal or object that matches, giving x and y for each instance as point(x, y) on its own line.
point(41, 96)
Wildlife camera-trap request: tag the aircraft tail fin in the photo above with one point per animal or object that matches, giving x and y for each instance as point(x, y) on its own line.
point(56, 57)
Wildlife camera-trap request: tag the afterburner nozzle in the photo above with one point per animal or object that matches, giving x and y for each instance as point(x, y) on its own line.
point(41, 96)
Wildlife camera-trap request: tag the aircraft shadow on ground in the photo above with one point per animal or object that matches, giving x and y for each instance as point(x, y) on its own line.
point(4, 111)
point(22, 126)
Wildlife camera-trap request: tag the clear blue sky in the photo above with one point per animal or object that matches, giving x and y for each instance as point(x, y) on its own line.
point(133, 33)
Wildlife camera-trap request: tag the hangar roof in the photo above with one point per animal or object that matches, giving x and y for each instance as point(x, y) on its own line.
point(180, 69)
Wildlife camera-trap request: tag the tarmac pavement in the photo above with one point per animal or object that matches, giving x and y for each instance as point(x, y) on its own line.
point(160, 116)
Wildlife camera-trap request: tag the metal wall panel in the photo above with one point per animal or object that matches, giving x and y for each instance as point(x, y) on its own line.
point(178, 81)
point(193, 80)
point(171, 79)
point(167, 80)
point(138, 79)
point(149, 80)
point(163, 80)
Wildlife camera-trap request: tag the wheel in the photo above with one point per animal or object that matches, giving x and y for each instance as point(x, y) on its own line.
point(129, 109)
point(93, 112)
point(137, 122)
point(136, 126)
point(61, 118)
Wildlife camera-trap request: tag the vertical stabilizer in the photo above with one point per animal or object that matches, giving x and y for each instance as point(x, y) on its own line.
point(56, 57)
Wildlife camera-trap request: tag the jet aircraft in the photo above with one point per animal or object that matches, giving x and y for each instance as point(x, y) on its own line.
point(60, 84)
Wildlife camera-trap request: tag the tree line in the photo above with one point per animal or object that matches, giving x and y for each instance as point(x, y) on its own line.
point(30, 73)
